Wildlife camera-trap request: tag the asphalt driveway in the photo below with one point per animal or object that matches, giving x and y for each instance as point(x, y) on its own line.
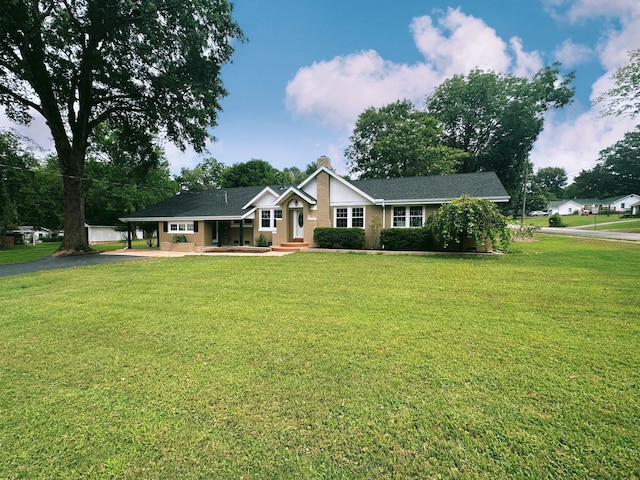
point(51, 263)
point(583, 232)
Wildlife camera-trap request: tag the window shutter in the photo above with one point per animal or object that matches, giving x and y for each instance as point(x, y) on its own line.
point(165, 227)
point(195, 227)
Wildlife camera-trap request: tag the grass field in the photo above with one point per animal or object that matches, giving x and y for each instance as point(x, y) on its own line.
point(325, 365)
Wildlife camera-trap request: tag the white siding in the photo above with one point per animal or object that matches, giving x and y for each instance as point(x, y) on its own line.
point(340, 194)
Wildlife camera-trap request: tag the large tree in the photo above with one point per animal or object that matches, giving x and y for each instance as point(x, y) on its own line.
point(16, 182)
point(203, 176)
point(150, 67)
point(624, 98)
point(397, 140)
point(255, 172)
point(552, 180)
point(497, 118)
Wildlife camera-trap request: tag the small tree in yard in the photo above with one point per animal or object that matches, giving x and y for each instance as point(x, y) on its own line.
point(468, 217)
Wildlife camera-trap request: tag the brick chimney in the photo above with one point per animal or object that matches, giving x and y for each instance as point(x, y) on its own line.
point(323, 161)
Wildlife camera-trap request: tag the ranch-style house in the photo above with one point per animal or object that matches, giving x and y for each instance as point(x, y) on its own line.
point(279, 215)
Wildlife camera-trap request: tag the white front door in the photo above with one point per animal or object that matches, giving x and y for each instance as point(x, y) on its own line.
point(298, 224)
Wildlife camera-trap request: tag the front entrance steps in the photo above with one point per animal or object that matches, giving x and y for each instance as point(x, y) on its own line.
point(294, 246)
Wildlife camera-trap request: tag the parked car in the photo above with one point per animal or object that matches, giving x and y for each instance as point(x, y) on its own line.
point(538, 213)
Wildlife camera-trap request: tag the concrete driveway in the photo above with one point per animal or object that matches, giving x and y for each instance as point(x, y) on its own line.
point(52, 263)
point(583, 232)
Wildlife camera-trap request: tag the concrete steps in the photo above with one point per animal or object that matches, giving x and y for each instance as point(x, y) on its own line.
point(294, 246)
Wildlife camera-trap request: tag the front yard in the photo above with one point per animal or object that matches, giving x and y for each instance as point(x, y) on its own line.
point(326, 365)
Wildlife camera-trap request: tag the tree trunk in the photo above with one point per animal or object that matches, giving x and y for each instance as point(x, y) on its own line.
point(75, 237)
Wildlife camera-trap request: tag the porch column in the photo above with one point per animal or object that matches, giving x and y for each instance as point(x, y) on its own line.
point(241, 241)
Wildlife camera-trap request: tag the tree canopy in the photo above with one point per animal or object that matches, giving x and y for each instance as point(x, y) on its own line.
point(552, 180)
point(397, 140)
point(203, 176)
point(149, 68)
point(624, 98)
point(497, 118)
point(255, 172)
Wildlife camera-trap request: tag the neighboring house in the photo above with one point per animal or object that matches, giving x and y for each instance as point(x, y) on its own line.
point(107, 233)
point(33, 234)
point(620, 204)
point(635, 209)
point(564, 207)
point(238, 216)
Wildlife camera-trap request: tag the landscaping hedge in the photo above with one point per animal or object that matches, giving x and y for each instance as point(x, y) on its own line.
point(420, 239)
point(352, 238)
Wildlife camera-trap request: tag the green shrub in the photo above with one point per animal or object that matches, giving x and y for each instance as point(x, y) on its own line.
point(352, 238)
point(179, 239)
point(406, 239)
point(261, 241)
point(555, 220)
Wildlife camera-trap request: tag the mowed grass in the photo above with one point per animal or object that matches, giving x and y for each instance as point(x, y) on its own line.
point(326, 365)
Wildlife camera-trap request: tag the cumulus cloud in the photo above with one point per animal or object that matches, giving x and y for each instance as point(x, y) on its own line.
point(571, 54)
point(338, 90)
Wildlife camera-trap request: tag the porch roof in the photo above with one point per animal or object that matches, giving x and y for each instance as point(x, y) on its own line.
point(222, 204)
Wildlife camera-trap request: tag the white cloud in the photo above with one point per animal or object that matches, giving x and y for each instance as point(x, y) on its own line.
point(570, 54)
point(338, 90)
point(581, 9)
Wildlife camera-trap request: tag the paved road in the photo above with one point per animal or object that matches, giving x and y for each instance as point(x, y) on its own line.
point(583, 232)
point(51, 263)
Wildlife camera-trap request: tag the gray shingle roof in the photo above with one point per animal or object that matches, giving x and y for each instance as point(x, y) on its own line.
point(227, 203)
point(436, 187)
point(223, 202)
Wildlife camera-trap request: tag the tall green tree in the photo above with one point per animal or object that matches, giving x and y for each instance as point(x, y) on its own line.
point(622, 162)
point(203, 176)
point(624, 98)
point(149, 67)
point(497, 118)
point(397, 140)
point(16, 182)
point(551, 180)
point(594, 183)
point(255, 172)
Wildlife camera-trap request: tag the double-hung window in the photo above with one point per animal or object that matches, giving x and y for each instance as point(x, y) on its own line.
point(412, 216)
point(345, 217)
point(268, 218)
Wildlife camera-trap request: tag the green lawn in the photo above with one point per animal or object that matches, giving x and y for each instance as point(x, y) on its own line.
point(583, 220)
point(326, 365)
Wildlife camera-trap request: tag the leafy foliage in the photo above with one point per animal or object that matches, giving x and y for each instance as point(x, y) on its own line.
point(398, 141)
point(497, 118)
point(420, 239)
point(255, 172)
point(616, 173)
point(16, 182)
point(327, 237)
point(203, 176)
point(149, 68)
point(624, 98)
point(552, 180)
point(468, 217)
point(555, 220)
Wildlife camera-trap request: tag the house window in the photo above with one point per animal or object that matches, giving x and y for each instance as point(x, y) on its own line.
point(399, 217)
point(415, 216)
point(268, 218)
point(412, 216)
point(180, 227)
point(346, 217)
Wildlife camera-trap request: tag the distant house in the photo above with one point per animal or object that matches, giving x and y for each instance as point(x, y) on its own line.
point(107, 233)
point(564, 207)
point(620, 204)
point(280, 215)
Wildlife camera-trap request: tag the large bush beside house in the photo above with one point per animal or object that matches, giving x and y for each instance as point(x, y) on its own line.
point(406, 239)
point(469, 218)
point(352, 238)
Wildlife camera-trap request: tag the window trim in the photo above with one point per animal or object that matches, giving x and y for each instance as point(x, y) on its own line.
point(407, 217)
point(188, 228)
point(349, 216)
point(273, 216)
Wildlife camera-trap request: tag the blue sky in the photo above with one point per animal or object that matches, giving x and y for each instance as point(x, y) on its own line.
point(310, 68)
